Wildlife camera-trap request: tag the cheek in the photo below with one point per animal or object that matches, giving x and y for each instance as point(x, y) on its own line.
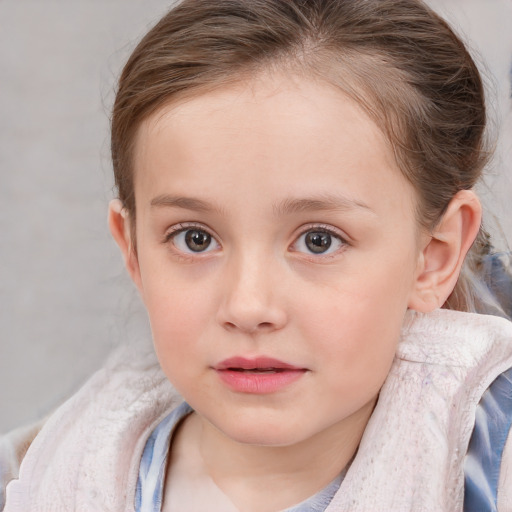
point(356, 324)
point(179, 312)
point(354, 354)
point(353, 329)
point(178, 327)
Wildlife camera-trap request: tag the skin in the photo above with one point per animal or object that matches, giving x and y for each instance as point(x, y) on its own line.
point(256, 165)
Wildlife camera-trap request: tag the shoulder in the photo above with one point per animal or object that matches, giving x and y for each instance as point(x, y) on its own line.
point(86, 455)
point(453, 338)
point(13, 447)
point(487, 468)
point(474, 351)
point(445, 362)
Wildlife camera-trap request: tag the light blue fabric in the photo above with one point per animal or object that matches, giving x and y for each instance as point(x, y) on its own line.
point(320, 501)
point(149, 493)
point(483, 460)
point(482, 464)
point(496, 271)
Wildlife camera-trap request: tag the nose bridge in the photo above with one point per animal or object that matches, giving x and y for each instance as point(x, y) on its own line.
point(251, 299)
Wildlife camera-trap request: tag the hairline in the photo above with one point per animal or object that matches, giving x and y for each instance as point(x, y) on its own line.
point(319, 68)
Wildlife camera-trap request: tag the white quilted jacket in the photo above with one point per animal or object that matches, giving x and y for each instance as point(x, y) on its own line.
point(86, 457)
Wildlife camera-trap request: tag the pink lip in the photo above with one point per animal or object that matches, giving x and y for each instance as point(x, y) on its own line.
point(261, 362)
point(268, 376)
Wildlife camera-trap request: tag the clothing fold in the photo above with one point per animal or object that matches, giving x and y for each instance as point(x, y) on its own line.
point(411, 457)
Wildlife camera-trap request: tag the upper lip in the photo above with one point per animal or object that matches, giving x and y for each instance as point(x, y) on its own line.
point(262, 362)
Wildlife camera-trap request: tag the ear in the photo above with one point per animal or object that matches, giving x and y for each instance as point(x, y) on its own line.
point(444, 251)
point(119, 223)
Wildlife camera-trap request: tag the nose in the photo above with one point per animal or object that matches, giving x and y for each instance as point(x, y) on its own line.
point(251, 300)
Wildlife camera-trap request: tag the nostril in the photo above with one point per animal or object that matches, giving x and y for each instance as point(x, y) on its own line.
point(262, 326)
point(229, 325)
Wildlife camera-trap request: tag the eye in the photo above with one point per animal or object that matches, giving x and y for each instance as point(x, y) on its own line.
point(318, 241)
point(193, 240)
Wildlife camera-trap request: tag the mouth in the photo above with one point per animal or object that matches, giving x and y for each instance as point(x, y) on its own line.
point(261, 375)
point(256, 365)
point(257, 370)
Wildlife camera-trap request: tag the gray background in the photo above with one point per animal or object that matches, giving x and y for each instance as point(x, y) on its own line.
point(65, 300)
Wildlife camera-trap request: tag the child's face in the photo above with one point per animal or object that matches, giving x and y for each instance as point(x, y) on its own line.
point(273, 222)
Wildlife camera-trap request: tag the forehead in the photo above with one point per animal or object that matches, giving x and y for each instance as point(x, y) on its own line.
point(272, 133)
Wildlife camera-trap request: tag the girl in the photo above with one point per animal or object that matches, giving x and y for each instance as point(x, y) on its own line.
point(295, 206)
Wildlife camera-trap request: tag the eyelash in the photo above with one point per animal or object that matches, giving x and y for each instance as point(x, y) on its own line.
point(311, 228)
point(322, 228)
point(176, 230)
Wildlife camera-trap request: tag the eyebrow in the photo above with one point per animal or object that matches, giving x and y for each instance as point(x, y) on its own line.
point(285, 207)
point(187, 203)
point(321, 203)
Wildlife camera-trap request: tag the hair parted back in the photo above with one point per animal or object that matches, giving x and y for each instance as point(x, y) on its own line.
point(396, 58)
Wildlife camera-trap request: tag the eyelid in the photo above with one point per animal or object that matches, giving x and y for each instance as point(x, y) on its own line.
point(184, 226)
point(323, 228)
point(327, 228)
point(176, 229)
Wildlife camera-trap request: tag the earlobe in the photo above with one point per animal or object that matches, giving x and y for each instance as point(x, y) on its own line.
point(444, 251)
point(119, 224)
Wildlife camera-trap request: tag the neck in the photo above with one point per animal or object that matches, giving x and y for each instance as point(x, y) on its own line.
point(249, 474)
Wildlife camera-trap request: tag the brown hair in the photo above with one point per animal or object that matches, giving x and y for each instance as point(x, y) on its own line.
point(396, 58)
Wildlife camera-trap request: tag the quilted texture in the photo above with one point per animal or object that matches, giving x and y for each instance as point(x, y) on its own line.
point(411, 455)
point(87, 455)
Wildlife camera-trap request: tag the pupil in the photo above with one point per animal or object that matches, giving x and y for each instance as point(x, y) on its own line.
point(318, 242)
point(197, 241)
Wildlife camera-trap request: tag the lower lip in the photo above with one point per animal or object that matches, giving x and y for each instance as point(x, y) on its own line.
point(259, 383)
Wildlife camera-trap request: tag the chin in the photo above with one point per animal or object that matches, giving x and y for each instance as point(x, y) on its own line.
point(264, 439)
point(262, 433)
